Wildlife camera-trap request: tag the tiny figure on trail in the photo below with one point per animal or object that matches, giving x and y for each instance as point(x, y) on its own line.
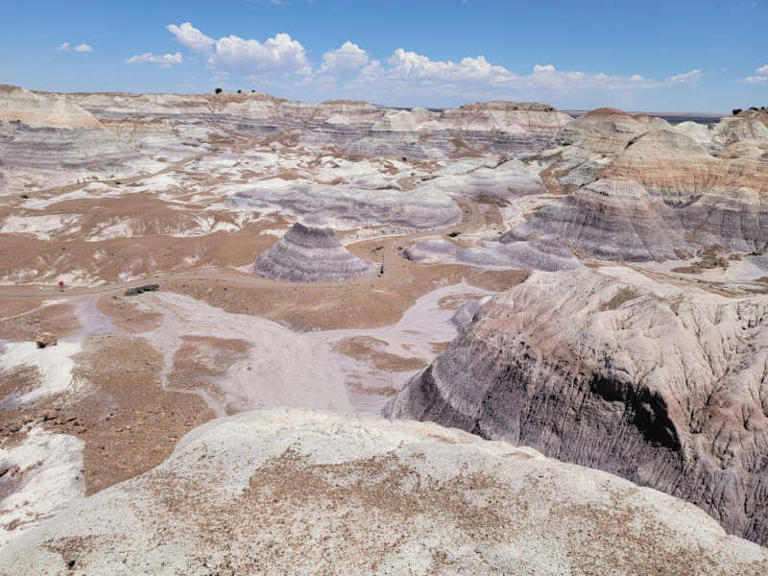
point(61, 284)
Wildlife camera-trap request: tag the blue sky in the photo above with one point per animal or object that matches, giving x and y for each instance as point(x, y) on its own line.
point(682, 55)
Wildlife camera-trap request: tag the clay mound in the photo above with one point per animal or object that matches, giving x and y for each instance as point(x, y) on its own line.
point(633, 187)
point(663, 385)
point(749, 125)
point(603, 131)
point(612, 219)
point(508, 117)
point(310, 254)
point(297, 492)
point(42, 110)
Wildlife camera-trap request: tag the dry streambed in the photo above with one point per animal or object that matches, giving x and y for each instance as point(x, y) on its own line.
point(129, 376)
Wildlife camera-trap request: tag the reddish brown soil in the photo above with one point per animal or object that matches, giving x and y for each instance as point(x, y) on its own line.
point(126, 315)
point(128, 422)
point(199, 361)
point(371, 350)
point(23, 319)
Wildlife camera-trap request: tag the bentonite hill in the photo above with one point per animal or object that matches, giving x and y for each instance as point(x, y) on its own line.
point(310, 254)
point(222, 318)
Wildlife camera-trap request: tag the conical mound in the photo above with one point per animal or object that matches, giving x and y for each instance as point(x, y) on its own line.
point(309, 254)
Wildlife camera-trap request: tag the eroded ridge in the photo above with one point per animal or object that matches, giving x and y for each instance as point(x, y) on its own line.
point(663, 385)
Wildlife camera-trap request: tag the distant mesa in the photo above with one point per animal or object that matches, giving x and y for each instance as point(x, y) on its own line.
point(311, 254)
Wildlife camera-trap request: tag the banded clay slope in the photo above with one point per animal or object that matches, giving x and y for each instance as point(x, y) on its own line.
point(352, 127)
point(637, 188)
point(56, 111)
point(45, 139)
point(279, 491)
point(311, 254)
point(663, 385)
point(175, 182)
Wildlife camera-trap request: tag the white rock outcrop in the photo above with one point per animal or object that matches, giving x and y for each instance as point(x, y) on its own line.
point(288, 491)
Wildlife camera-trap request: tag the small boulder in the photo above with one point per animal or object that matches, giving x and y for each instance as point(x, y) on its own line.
point(45, 339)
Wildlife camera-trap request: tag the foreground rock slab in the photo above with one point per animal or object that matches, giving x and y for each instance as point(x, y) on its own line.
point(292, 491)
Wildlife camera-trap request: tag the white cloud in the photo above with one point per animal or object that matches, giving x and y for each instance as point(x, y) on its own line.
point(409, 78)
point(280, 53)
point(191, 37)
point(406, 77)
point(761, 78)
point(346, 59)
point(165, 60)
point(79, 48)
point(417, 68)
point(686, 77)
point(410, 65)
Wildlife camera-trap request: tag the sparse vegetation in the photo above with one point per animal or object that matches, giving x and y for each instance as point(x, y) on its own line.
point(625, 294)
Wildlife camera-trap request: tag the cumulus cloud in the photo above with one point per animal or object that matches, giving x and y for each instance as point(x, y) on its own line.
point(478, 71)
point(410, 65)
point(191, 37)
point(63, 47)
point(165, 60)
point(763, 70)
point(406, 77)
point(346, 59)
point(280, 53)
point(420, 70)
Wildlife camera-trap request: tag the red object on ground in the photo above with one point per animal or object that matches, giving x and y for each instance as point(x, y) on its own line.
point(61, 283)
